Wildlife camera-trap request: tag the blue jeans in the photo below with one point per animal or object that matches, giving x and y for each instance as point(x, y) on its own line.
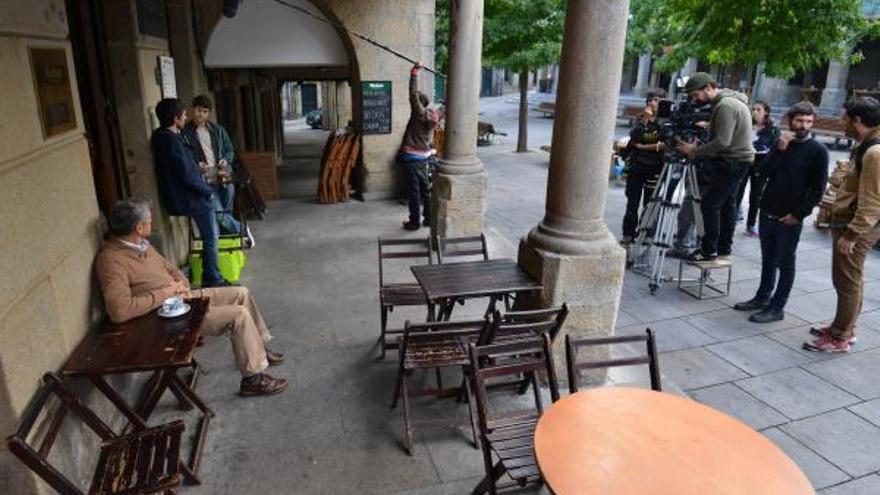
point(778, 252)
point(222, 201)
point(207, 225)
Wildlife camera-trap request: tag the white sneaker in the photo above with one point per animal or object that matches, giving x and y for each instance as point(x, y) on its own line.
point(249, 241)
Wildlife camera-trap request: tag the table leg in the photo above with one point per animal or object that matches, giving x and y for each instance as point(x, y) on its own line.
point(149, 403)
point(136, 419)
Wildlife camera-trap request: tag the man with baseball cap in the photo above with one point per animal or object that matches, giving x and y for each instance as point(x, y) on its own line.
point(726, 158)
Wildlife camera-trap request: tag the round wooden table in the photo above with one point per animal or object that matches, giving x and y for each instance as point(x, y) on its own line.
point(628, 441)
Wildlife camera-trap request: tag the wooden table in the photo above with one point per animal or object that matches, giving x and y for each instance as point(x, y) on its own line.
point(148, 343)
point(627, 441)
point(446, 283)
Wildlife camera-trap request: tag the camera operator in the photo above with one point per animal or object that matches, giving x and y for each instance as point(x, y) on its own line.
point(645, 164)
point(726, 158)
point(797, 169)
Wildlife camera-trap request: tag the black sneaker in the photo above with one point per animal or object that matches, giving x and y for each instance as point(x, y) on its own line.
point(411, 225)
point(699, 257)
point(767, 315)
point(753, 304)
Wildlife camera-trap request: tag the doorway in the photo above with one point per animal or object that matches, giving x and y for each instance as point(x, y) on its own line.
point(88, 42)
point(311, 112)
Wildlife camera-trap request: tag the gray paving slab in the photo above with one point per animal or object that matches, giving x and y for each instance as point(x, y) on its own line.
point(729, 324)
point(869, 410)
point(856, 373)
point(745, 290)
point(819, 471)
point(815, 280)
point(841, 437)
point(867, 485)
point(796, 393)
point(758, 355)
point(734, 401)
point(697, 368)
point(669, 302)
point(670, 335)
point(814, 307)
point(794, 339)
point(869, 319)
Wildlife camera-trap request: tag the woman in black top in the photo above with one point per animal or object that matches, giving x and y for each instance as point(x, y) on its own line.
point(765, 134)
point(645, 164)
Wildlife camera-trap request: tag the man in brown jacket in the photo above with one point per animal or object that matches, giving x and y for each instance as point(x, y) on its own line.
point(855, 222)
point(417, 153)
point(135, 279)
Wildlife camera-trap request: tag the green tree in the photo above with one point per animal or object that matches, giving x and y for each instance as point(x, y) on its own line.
point(522, 35)
point(787, 36)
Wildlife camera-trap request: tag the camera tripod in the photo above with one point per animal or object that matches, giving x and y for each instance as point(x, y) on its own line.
point(677, 188)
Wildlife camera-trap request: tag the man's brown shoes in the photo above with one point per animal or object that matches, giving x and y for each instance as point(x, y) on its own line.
point(274, 358)
point(265, 385)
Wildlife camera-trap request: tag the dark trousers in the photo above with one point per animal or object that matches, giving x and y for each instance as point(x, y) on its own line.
point(418, 192)
point(722, 179)
point(208, 231)
point(640, 185)
point(758, 181)
point(778, 252)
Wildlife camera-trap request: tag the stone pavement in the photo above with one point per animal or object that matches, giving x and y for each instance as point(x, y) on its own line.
point(314, 275)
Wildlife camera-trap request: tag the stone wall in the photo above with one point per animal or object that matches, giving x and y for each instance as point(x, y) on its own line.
point(133, 61)
point(48, 219)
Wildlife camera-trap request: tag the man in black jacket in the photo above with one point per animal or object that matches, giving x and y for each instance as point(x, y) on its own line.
point(797, 170)
point(184, 192)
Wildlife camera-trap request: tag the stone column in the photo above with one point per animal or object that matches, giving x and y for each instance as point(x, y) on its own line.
point(834, 94)
point(643, 75)
point(459, 196)
point(189, 72)
point(571, 250)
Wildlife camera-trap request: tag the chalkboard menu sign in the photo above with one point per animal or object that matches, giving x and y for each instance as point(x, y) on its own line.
point(376, 107)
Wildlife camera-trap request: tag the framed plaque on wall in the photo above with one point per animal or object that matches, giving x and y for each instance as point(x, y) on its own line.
point(52, 87)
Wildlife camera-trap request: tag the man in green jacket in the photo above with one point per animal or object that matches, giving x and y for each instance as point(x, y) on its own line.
point(212, 149)
point(726, 158)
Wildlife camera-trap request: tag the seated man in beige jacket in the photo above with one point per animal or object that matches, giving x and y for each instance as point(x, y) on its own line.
point(135, 279)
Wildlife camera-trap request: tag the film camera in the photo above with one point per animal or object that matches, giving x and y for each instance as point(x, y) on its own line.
point(678, 120)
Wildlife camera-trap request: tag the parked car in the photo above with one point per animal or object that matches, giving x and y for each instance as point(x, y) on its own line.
point(313, 119)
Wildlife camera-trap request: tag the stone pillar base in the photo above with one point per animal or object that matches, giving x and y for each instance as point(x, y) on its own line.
point(832, 99)
point(458, 204)
point(590, 284)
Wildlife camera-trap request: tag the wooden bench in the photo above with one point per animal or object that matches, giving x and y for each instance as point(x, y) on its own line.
point(548, 108)
point(630, 113)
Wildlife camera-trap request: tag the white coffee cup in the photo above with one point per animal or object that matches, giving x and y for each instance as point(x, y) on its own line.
point(172, 304)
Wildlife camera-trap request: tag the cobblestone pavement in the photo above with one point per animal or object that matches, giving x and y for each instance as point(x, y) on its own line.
point(313, 273)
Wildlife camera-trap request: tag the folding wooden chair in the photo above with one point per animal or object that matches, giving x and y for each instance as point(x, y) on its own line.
point(143, 462)
point(510, 435)
point(460, 249)
point(417, 251)
point(515, 325)
point(575, 367)
point(435, 345)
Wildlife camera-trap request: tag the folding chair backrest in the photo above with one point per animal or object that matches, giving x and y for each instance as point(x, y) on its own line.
point(414, 251)
point(525, 324)
point(522, 359)
point(474, 248)
point(463, 332)
point(650, 357)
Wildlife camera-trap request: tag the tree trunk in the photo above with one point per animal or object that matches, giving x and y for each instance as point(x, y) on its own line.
point(522, 138)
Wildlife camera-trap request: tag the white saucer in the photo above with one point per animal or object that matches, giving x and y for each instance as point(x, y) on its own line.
point(180, 312)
